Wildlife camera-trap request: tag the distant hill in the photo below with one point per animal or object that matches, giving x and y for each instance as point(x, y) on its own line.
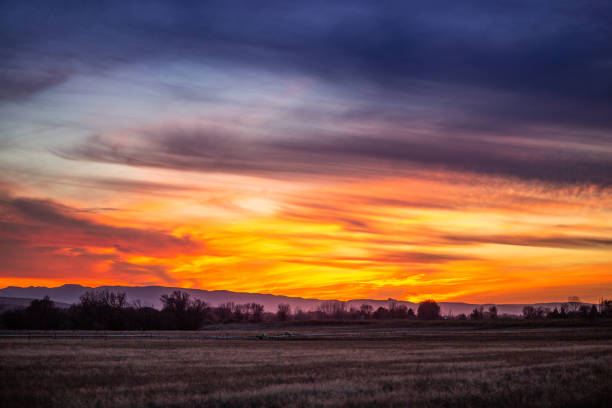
point(150, 295)
point(7, 303)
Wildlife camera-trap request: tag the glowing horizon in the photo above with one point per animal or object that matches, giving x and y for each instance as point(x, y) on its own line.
point(306, 156)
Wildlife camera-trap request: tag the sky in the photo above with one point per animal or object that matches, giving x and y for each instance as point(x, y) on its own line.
point(460, 151)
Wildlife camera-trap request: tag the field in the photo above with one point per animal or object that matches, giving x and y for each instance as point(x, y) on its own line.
point(329, 366)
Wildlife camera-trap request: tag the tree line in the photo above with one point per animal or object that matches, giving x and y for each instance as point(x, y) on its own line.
point(573, 309)
point(106, 310)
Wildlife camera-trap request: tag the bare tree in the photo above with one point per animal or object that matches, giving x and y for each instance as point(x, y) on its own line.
point(573, 303)
point(332, 308)
point(398, 311)
point(240, 313)
point(366, 310)
point(605, 308)
point(255, 312)
point(224, 311)
point(563, 311)
point(189, 313)
point(104, 298)
point(284, 311)
point(477, 313)
point(381, 313)
point(532, 313)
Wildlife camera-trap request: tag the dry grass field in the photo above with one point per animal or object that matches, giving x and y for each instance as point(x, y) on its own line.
point(543, 367)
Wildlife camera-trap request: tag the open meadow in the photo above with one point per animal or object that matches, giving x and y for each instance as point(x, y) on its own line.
point(329, 366)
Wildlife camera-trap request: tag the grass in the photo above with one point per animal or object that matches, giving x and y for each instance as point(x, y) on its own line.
point(539, 367)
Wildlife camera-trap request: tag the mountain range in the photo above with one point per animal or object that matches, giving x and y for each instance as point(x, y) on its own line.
point(150, 296)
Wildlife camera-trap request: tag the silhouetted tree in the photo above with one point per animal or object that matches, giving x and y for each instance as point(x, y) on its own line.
point(332, 309)
point(531, 313)
point(583, 311)
point(428, 310)
point(381, 313)
point(239, 314)
point(563, 311)
point(255, 312)
point(593, 313)
point(224, 311)
point(554, 314)
point(189, 313)
point(283, 312)
point(14, 319)
point(493, 312)
point(42, 314)
point(605, 308)
point(101, 310)
point(477, 313)
point(398, 311)
point(573, 303)
point(299, 314)
point(366, 310)
point(148, 318)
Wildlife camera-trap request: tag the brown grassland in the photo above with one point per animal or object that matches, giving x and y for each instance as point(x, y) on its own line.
point(455, 367)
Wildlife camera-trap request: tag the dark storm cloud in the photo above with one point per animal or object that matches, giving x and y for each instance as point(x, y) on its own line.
point(558, 51)
point(535, 70)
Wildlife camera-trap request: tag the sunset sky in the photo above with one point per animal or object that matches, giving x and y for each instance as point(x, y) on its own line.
point(454, 150)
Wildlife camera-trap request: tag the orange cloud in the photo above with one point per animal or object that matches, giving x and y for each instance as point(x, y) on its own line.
point(469, 239)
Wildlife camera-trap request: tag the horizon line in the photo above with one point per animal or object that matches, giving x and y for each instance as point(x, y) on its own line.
point(296, 297)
